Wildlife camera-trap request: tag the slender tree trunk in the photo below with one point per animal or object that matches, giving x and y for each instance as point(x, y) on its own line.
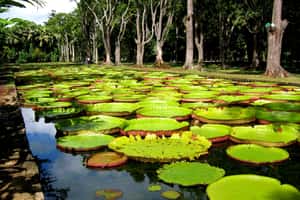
point(139, 54)
point(199, 44)
point(189, 55)
point(67, 50)
point(275, 35)
point(117, 52)
point(107, 47)
point(255, 59)
point(73, 52)
point(159, 54)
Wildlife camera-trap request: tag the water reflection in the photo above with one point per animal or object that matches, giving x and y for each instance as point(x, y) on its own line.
point(64, 175)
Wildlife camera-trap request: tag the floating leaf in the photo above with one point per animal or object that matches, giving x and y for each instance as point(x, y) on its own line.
point(106, 159)
point(190, 173)
point(256, 154)
point(165, 111)
point(170, 194)
point(109, 194)
point(154, 188)
point(213, 132)
point(156, 149)
point(250, 187)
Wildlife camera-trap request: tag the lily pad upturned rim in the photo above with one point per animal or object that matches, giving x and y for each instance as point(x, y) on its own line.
point(131, 129)
point(220, 132)
point(249, 187)
point(190, 173)
point(232, 152)
point(176, 112)
point(116, 159)
point(209, 115)
point(248, 133)
point(62, 142)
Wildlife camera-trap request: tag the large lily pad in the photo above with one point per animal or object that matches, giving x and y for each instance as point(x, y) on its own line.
point(199, 96)
point(178, 113)
point(58, 113)
point(256, 154)
point(213, 132)
point(190, 173)
point(112, 109)
point(285, 106)
point(84, 142)
point(97, 123)
point(159, 126)
point(235, 99)
point(106, 160)
point(267, 116)
point(250, 187)
point(92, 99)
point(266, 135)
point(156, 149)
point(282, 97)
point(225, 115)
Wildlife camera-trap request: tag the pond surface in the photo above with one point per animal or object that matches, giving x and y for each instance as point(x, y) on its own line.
point(64, 175)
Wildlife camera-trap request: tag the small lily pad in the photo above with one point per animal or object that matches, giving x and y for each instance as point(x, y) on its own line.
point(109, 194)
point(170, 194)
point(190, 173)
point(154, 188)
point(106, 159)
point(213, 132)
point(256, 154)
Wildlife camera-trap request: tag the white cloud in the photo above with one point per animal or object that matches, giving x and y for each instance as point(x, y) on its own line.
point(38, 14)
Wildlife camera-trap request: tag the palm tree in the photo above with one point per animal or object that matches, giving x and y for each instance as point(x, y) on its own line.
point(5, 4)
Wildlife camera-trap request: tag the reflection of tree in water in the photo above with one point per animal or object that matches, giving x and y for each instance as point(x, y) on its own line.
point(48, 181)
point(139, 170)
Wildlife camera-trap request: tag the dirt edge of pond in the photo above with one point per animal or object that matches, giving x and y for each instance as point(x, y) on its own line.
point(19, 172)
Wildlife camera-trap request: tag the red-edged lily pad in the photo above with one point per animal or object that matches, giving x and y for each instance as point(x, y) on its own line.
point(106, 159)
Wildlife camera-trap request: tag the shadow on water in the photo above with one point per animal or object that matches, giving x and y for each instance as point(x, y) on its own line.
point(64, 175)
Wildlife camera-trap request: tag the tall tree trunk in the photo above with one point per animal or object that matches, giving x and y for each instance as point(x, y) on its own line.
point(255, 59)
point(73, 52)
point(139, 54)
point(189, 55)
point(199, 44)
point(107, 47)
point(117, 52)
point(275, 35)
point(67, 50)
point(159, 54)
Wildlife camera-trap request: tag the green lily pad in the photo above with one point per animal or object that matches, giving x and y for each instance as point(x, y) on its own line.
point(156, 149)
point(128, 98)
point(92, 99)
point(213, 132)
point(112, 109)
point(225, 115)
point(259, 90)
point(190, 173)
point(195, 105)
point(109, 194)
point(250, 187)
point(97, 123)
point(266, 135)
point(266, 116)
point(170, 194)
point(58, 113)
point(230, 99)
point(154, 188)
point(256, 154)
point(178, 113)
point(53, 105)
point(152, 102)
point(284, 106)
point(106, 160)
point(283, 97)
point(159, 126)
point(199, 96)
point(84, 142)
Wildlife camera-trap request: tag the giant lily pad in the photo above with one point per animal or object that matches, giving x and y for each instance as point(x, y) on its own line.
point(225, 115)
point(199, 96)
point(250, 187)
point(92, 99)
point(106, 160)
point(282, 97)
point(112, 109)
point(256, 154)
point(267, 116)
point(190, 173)
point(286, 106)
point(97, 123)
point(58, 113)
point(156, 149)
point(266, 135)
point(53, 105)
point(195, 105)
point(84, 142)
point(235, 99)
point(159, 126)
point(213, 132)
point(178, 113)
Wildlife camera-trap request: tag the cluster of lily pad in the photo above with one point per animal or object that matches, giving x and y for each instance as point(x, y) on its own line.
point(145, 115)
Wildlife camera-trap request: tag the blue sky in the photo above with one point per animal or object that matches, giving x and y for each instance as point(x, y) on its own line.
point(38, 14)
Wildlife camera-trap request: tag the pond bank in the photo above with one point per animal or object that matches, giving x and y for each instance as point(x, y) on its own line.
point(19, 173)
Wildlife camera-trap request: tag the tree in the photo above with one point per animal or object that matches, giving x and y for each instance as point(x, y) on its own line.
point(144, 18)
point(189, 55)
point(163, 22)
point(275, 34)
point(5, 4)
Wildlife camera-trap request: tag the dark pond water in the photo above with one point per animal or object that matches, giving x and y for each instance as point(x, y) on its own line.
point(64, 175)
